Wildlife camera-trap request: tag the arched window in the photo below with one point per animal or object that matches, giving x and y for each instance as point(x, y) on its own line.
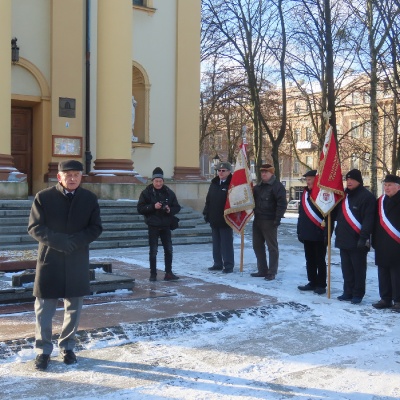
point(141, 101)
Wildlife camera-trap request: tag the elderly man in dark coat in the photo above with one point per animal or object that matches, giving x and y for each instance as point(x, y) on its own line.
point(64, 219)
point(311, 232)
point(355, 222)
point(222, 233)
point(270, 206)
point(386, 242)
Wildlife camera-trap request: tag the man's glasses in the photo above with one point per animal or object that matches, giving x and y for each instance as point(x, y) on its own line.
point(222, 170)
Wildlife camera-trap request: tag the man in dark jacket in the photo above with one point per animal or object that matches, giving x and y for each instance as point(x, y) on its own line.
point(270, 206)
point(311, 232)
point(355, 221)
point(222, 234)
point(64, 219)
point(158, 204)
point(386, 242)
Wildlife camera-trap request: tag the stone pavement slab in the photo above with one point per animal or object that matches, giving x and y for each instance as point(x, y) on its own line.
point(149, 301)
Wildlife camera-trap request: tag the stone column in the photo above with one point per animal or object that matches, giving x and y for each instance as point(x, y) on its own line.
point(188, 90)
point(114, 93)
point(6, 161)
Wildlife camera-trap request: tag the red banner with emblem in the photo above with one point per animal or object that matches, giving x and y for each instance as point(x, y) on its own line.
point(328, 190)
point(239, 202)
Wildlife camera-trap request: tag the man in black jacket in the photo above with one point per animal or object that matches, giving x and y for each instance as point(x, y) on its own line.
point(311, 232)
point(64, 219)
point(270, 206)
point(222, 234)
point(158, 204)
point(386, 242)
point(355, 221)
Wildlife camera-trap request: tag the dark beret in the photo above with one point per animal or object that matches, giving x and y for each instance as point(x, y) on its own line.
point(70, 165)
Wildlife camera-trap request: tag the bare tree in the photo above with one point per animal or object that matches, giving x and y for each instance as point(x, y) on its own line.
point(251, 35)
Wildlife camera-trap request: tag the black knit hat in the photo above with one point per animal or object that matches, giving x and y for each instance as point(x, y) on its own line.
point(392, 178)
point(312, 172)
point(70, 165)
point(157, 173)
point(355, 174)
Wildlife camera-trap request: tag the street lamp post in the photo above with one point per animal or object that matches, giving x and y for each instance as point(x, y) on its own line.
point(216, 160)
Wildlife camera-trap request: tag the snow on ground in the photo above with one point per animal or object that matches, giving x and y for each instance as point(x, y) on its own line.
point(308, 347)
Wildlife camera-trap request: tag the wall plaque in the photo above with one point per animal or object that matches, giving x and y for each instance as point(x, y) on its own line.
point(66, 107)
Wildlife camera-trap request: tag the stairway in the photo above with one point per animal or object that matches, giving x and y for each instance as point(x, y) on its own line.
point(122, 226)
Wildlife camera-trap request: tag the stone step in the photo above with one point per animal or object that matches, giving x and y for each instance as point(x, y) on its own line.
point(123, 226)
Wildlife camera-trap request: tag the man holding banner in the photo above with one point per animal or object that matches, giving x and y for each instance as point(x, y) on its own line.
point(222, 234)
point(311, 231)
point(240, 202)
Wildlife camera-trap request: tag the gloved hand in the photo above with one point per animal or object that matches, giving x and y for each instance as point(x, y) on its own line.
point(277, 222)
point(362, 243)
point(300, 240)
point(70, 246)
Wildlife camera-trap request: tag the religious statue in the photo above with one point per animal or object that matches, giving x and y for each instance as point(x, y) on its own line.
point(133, 110)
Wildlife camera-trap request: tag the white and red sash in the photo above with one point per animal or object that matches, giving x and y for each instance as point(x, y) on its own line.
point(315, 219)
point(350, 218)
point(385, 223)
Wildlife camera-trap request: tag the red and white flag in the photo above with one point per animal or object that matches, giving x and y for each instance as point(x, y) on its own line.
point(239, 202)
point(328, 190)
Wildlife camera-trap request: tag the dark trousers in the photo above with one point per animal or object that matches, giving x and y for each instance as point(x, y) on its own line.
point(354, 271)
point(165, 236)
point(264, 231)
point(223, 254)
point(389, 283)
point(315, 253)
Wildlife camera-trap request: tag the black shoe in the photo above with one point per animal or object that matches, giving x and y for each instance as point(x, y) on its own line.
point(344, 297)
point(227, 270)
point(396, 307)
point(259, 274)
point(320, 290)
point(309, 286)
point(269, 277)
point(153, 277)
point(169, 276)
point(69, 357)
point(356, 300)
point(215, 268)
point(42, 361)
point(381, 304)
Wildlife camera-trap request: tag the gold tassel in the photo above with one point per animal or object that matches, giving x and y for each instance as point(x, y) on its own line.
point(323, 223)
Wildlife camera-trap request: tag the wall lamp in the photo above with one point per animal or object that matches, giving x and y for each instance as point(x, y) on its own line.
point(14, 51)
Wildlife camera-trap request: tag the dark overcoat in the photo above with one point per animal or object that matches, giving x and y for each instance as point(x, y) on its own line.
point(146, 206)
point(215, 202)
point(306, 229)
point(362, 205)
point(64, 230)
point(387, 250)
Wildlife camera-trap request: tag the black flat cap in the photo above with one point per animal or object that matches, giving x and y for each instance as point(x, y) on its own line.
point(70, 165)
point(392, 178)
point(312, 172)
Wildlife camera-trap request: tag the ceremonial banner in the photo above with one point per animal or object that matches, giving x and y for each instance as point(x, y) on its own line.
point(328, 190)
point(239, 202)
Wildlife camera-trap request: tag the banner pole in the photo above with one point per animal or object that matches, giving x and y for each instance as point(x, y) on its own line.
point(329, 256)
point(241, 249)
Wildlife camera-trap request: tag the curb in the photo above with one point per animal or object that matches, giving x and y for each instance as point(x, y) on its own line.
point(130, 333)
